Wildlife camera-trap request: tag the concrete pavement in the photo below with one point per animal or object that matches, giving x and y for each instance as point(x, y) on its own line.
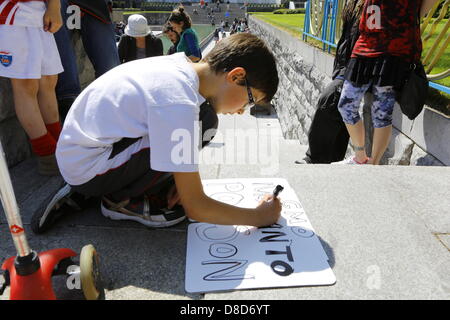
point(385, 229)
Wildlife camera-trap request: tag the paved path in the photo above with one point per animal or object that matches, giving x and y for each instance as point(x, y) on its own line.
point(386, 230)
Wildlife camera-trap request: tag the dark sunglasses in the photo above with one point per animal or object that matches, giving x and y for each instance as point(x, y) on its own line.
point(251, 100)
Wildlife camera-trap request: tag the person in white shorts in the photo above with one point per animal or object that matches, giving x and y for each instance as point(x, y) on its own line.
point(30, 58)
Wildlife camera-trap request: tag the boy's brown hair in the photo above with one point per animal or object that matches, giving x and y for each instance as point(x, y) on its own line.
point(251, 53)
point(178, 15)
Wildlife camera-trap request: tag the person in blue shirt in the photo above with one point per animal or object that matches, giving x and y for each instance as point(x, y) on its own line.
point(189, 44)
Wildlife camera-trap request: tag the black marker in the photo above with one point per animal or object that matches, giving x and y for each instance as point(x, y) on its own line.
point(277, 190)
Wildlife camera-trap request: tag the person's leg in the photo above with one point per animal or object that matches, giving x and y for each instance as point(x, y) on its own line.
point(341, 144)
point(383, 106)
point(68, 86)
point(121, 188)
point(327, 134)
point(100, 44)
point(25, 92)
point(48, 105)
point(357, 136)
point(43, 144)
point(348, 106)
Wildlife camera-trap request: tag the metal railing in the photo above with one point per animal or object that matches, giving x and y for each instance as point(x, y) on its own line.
point(321, 18)
point(323, 23)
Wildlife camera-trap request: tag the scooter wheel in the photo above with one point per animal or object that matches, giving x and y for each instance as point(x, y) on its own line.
point(89, 273)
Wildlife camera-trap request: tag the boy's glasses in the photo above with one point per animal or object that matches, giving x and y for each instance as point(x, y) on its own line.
point(251, 100)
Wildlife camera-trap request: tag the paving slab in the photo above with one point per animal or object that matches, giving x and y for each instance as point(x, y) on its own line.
point(136, 263)
point(379, 245)
point(383, 229)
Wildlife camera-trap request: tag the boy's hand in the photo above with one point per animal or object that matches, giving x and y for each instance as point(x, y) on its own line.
point(52, 17)
point(269, 210)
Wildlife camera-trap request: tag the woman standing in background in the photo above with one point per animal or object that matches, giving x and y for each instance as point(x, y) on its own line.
point(388, 45)
point(328, 136)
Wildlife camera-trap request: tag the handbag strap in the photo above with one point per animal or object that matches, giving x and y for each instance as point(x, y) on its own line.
point(416, 25)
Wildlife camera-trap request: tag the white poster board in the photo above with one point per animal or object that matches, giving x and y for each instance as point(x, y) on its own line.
point(288, 254)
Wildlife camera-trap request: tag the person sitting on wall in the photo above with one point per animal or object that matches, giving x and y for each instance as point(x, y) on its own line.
point(138, 41)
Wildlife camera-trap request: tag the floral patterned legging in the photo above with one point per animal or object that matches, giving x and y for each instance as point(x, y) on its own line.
point(383, 104)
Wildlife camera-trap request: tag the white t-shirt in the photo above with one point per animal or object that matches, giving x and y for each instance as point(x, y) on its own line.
point(155, 98)
point(24, 14)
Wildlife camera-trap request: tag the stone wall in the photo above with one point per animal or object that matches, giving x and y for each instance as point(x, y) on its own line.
point(13, 138)
point(305, 70)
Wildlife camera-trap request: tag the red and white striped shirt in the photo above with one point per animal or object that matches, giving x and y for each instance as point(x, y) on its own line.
point(25, 13)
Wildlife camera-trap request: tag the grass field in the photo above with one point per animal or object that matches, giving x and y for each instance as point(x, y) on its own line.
point(293, 23)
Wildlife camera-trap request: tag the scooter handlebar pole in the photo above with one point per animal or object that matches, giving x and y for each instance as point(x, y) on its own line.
point(11, 209)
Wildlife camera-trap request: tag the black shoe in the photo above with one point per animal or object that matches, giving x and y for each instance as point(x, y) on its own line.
point(63, 202)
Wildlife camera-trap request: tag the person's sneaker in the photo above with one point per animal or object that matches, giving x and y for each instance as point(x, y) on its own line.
point(302, 161)
point(146, 210)
point(60, 203)
point(351, 160)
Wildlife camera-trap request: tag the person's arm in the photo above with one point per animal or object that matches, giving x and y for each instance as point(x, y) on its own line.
point(426, 6)
point(159, 47)
point(52, 17)
point(194, 59)
point(122, 48)
point(194, 53)
point(200, 207)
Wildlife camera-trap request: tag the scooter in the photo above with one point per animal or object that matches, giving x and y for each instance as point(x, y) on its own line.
point(29, 274)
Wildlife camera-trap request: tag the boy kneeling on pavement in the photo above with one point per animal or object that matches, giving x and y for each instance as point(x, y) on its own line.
point(121, 138)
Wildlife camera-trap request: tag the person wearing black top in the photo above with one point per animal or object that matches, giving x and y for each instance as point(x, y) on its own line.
point(138, 41)
point(328, 137)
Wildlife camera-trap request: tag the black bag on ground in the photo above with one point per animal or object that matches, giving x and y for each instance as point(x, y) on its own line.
point(96, 8)
point(414, 93)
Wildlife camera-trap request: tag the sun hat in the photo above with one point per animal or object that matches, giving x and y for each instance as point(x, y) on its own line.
point(137, 26)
